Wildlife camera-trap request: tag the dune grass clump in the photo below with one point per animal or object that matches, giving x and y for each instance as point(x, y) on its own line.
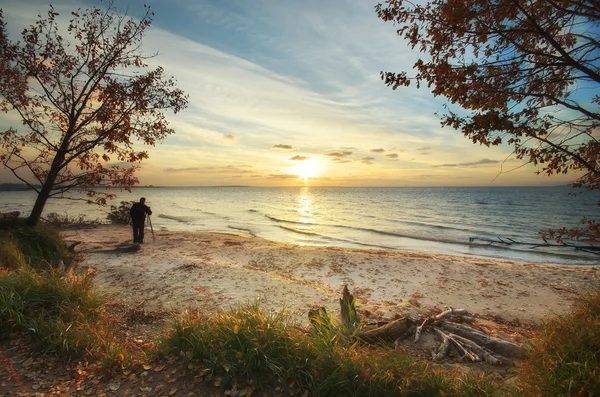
point(565, 359)
point(57, 309)
point(21, 244)
point(249, 346)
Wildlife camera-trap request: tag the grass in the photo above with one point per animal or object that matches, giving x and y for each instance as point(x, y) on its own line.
point(59, 310)
point(37, 247)
point(265, 350)
point(565, 359)
point(63, 315)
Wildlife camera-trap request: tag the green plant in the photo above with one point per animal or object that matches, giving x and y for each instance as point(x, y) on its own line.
point(565, 359)
point(120, 215)
point(36, 246)
point(246, 344)
point(59, 311)
point(63, 221)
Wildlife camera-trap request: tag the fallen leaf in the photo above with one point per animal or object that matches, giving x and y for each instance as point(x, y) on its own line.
point(114, 386)
point(27, 363)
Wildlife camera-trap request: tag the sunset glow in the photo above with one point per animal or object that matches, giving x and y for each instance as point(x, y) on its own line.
point(308, 169)
point(290, 94)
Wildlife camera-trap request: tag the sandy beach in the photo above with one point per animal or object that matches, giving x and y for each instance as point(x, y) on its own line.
point(215, 271)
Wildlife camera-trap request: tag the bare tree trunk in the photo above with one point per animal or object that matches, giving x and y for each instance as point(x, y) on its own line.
point(44, 194)
point(40, 203)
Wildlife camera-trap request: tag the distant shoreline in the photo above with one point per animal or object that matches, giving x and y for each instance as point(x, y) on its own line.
point(22, 187)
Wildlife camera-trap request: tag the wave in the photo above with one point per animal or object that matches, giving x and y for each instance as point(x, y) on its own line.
point(250, 232)
point(325, 237)
point(460, 239)
point(426, 225)
point(182, 219)
point(292, 229)
point(292, 222)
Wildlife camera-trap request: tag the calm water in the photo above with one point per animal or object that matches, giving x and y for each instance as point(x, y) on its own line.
point(428, 219)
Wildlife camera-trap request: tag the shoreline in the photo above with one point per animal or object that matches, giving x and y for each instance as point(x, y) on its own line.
point(217, 271)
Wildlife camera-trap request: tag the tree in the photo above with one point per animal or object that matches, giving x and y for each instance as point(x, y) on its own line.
point(83, 102)
point(524, 72)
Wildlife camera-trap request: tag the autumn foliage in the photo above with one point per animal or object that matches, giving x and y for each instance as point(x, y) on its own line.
point(84, 100)
point(522, 72)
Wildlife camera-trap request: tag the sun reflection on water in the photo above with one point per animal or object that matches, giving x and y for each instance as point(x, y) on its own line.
point(304, 205)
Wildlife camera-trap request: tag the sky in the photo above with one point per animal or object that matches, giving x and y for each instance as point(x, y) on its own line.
point(288, 93)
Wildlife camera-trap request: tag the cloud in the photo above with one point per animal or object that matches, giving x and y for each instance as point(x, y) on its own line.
point(188, 169)
point(376, 150)
point(300, 158)
point(424, 148)
point(345, 153)
point(230, 137)
point(283, 176)
point(367, 160)
point(471, 164)
point(229, 169)
point(282, 146)
point(392, 155)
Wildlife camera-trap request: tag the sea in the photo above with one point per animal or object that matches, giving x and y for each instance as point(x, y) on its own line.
point(488, 222)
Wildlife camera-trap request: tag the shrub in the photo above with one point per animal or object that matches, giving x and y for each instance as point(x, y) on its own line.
point(65, 221)
point(120, 215)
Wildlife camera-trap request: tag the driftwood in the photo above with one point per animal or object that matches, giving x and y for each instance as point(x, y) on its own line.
point(457, 338)
point(509, 241)
point(117, 250)
point(500, 346)
point(396, 331)
point(466, 341)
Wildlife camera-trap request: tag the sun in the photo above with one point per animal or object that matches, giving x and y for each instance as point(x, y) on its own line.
point(307, 169)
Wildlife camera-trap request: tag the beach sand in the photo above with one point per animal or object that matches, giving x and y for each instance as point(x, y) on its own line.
point(216, 271)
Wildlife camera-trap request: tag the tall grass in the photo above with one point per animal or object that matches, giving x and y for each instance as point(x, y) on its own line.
point(36, 247)
point(565, 359)
point(58, 309)
point(266, 350)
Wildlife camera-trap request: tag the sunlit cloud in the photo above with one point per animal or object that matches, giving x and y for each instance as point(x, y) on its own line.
point(188, 169)
point(367, 160)
point(470, 164)
point(283, 176)
point(281, 146)
point(299, 158)
point(376, 150)
point(392, 155)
